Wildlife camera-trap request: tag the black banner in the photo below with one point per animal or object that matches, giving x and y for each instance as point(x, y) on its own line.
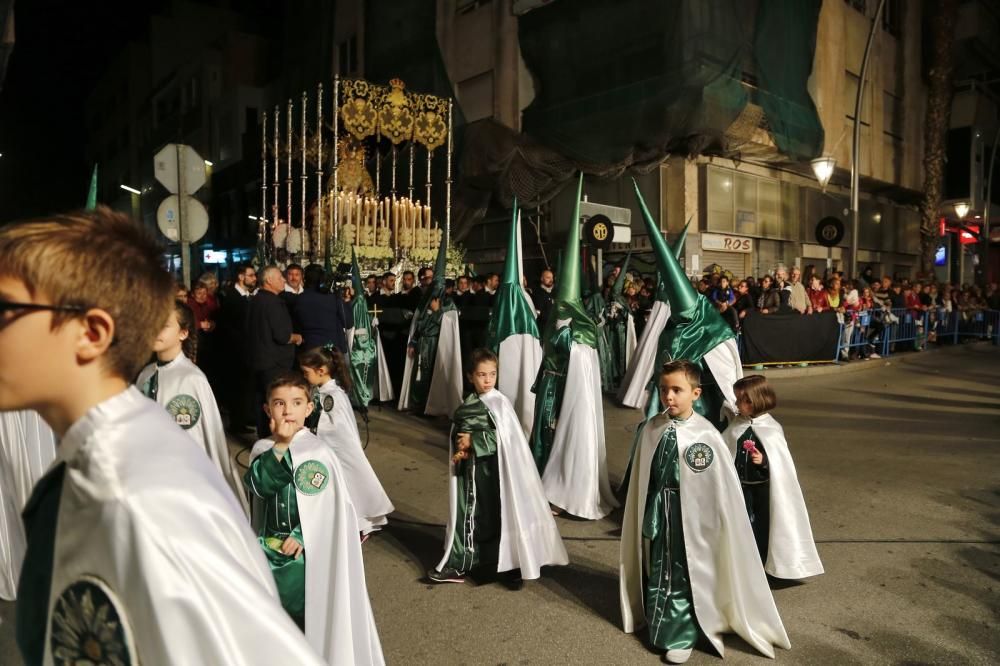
point(774, 338)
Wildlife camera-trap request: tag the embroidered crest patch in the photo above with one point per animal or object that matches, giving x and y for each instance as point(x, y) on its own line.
point(699, 457)
point(88, 626)
point(328, 403)
point(311, 477)
point(185, 410)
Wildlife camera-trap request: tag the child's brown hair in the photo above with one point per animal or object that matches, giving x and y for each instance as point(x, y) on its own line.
point(186, 322)
point(758, 392)
point(78, 260)
point(691, 371)
point(291, 380)
point(330, 358)
point(482, 355)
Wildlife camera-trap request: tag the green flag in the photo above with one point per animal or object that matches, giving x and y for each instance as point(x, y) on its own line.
point(364, 370)
point(92, 193)
point(513, 313)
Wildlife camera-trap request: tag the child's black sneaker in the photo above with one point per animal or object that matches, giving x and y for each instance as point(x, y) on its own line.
point(446, 575)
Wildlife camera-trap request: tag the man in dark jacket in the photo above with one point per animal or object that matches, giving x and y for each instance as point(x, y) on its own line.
point(232, 320)
point(271, 340)
point(322, 317)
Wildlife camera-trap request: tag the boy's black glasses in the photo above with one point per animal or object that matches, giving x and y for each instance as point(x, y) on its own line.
point(11, 306)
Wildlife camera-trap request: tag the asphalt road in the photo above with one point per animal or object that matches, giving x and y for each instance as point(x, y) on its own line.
point(899, 469)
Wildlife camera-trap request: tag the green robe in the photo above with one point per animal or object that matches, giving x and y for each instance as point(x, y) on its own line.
point(549, 392)
point(595, 306)
point(272, 480)
point(616, 327)
point(425, 343)
point(669, 606)
point(477, 525)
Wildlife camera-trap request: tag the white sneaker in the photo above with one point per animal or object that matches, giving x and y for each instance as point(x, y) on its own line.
point(677, 656)
point(874, 355)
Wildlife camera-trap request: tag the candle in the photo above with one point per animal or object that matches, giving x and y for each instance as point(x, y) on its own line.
point(427, 215)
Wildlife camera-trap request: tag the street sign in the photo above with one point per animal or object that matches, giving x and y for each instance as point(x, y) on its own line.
point(168, 217)
point(829, 231)
point(191, 170)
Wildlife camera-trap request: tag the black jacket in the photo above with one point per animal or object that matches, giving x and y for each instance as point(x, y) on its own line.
point(322, 318)
point(269, 327)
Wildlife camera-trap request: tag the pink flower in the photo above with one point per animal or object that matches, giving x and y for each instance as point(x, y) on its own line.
point(749, 446)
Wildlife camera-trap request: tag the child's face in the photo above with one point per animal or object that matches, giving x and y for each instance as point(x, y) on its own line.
point(744, 405)
point(677, 395)
point(171, 336)
point(289, 404)
point(315, 376)
point(484, 377)
point(32, 380)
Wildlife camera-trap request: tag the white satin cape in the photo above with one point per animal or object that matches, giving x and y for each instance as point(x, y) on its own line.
point(724, 362)
point(182, 377)
point(147, 513)
point(529, 537)
point(27, 448)
point(728, 585)
point(791, 550)
point(385, 392)
point(576, 475)
point(633, 391)
point(444, 394)
point(520, 356)
point(339, 430)
point(339, 621)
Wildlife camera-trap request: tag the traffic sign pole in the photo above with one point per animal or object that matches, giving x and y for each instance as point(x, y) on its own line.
point(181, 205)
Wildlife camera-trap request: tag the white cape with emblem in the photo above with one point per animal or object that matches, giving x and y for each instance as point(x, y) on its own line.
point(339, 621)
point(444, 394)
point(634, 390)
point(338, 429)
point(529, 537)
point(576, 475)
point(519, 358)
point(791, 550)
point(149, 516)
point(728, 585)
point(27, 448)
point(180, 379)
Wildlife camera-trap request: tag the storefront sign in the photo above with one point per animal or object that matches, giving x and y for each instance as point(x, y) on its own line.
point(724, 243)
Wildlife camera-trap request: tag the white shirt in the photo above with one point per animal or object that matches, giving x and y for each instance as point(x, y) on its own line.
point(292, 290)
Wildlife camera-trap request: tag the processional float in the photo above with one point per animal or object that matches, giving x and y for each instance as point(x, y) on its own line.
point(388, 224)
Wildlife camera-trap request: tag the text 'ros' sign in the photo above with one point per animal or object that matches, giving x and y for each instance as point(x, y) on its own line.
point(725, 243)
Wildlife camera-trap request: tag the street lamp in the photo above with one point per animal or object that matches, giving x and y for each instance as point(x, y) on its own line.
point(961, 209)
point(136, 201)
point(130, 189)
point(823, 169)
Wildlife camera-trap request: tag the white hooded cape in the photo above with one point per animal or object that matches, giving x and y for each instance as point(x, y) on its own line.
point(529, 537)
point(728, 585)
point(444, 394)
point(339, 621)
point(633, 391)
point(338, 429)
point(179, 382)
point(576, 475)
point(147, 515)
point(791, 551)
point(27, 448)
point(724, 362)
point(520, 356)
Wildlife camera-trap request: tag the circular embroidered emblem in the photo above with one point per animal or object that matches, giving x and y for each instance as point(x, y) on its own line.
point(89, 627)
point(185, 410)
point(699, 457)
point(311, 477)
point(328, 403)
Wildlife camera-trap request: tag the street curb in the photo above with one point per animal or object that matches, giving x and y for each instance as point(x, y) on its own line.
point(857, 366)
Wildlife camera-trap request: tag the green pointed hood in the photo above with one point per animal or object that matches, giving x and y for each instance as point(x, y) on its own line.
point(678, 250)
point(92, 193)
point(361, 355)
point(513, 313)
point(619, 285)
point(681, 295)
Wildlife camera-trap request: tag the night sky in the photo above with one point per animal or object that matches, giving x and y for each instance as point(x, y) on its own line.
point(61, 48)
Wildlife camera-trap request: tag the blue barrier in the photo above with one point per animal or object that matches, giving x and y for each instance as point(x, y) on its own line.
point(908, 326)
point(863, 333)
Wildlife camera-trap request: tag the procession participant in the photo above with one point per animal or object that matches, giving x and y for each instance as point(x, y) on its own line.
point(308, 531)
point(132, 520)
point(498, 517)
point(326, 370)
point(567, 437)
point(683, 565)
point(27, 448)
point(513, 334)
point(370, 379)
point(620, 327)
point(432, 375)
point(771, 490)
point(595, 306)
point(180, 387)
point(634, 389)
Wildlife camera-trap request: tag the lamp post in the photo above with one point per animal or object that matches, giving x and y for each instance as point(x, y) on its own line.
point(823, 169)
point(852, 267)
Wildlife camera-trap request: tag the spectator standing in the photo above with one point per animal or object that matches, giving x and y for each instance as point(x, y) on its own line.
point(237, 384)
point(744, 302)
point(542, 297)
point(271, 339)
point(723, 296)
point(322, 317)
point(462, 296)
point(798, 299)
point(818, 301)
point(293, 279)
point(768, 300)
point(204, 305)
